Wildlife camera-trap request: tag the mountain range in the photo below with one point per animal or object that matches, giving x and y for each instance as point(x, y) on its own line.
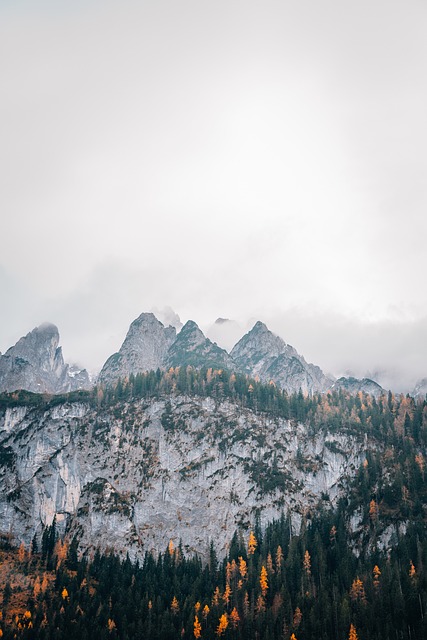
point(35, 363)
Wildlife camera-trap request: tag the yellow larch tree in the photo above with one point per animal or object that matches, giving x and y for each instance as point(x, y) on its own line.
point(216, 597)
point(243, 567)
point(306, 564)
point(171, 548)
point(205, 611)
point(197, 628)
point(45, 583)
point(21, 552)
point(357, 591)
point(60, 551)
point(111, 625)
point(263, 581)
point(37, 587)
point(412, 571)
point(293, 637)
point(373, 511)
point(226, 595)
point(197, 607)
point(352, 633)
point(260, 605)
point(64, 593)
point(174, 606)
point(234, 618)
point(376, 573)
point(279, 557)
point(222, 626)
point(252, 544)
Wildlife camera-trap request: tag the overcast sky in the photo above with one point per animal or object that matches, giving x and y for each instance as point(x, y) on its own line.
point(238, 159)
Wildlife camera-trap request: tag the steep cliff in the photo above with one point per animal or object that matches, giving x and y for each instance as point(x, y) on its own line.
point(137, 474)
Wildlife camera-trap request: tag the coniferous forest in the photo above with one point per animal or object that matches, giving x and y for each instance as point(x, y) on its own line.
point(325, 581)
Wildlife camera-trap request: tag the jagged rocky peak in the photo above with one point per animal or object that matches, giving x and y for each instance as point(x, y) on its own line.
point(420, 390)
point(257, 347)
point(144, 349)
point(191, 347)
point(36, 363)
point(261, 353)
point(354, 385)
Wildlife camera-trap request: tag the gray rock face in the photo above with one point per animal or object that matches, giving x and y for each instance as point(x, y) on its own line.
point(136, 475)
point(145, 348)
point(261, 353)
point(35, 363)
point(191, 347)
point(420, 390)
point(354, 385)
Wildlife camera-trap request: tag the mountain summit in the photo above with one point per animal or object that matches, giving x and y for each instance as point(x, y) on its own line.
point(145, 348)
point(263, 354)
point(191, 347)
point(35, 363)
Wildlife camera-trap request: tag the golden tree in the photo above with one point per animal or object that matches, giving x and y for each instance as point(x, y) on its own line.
point(352, 634)
point(270, 567)
point(216, 597)
point(197, 628)
point(64, 593)
point(260, 605)
point(376, 572)
point(45, 583)
point(205, 611)
point(252, 543)
point(234, 618)
point(373, 511)
point(243, 567)
point(227, 593)
point(357, 591)
point(111, 625)
point(21, 552)
point(263, 581)
point(171, 548)
point(279, 557)
point(174, 606)
point(293, 637)
point(306, 564)
point(412, 571)
point(223, 624)
point(228, 572)
point(37, 587)
point(197, 607)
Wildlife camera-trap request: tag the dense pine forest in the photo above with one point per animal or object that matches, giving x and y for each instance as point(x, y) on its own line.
point(356, 569)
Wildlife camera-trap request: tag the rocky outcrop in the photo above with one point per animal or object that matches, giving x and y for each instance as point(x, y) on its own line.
point(35, 363)
point(262, 354)
point(191, 347)
point(420, 390)
point(145, 348)
point(354, 386)
point(133, 476)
